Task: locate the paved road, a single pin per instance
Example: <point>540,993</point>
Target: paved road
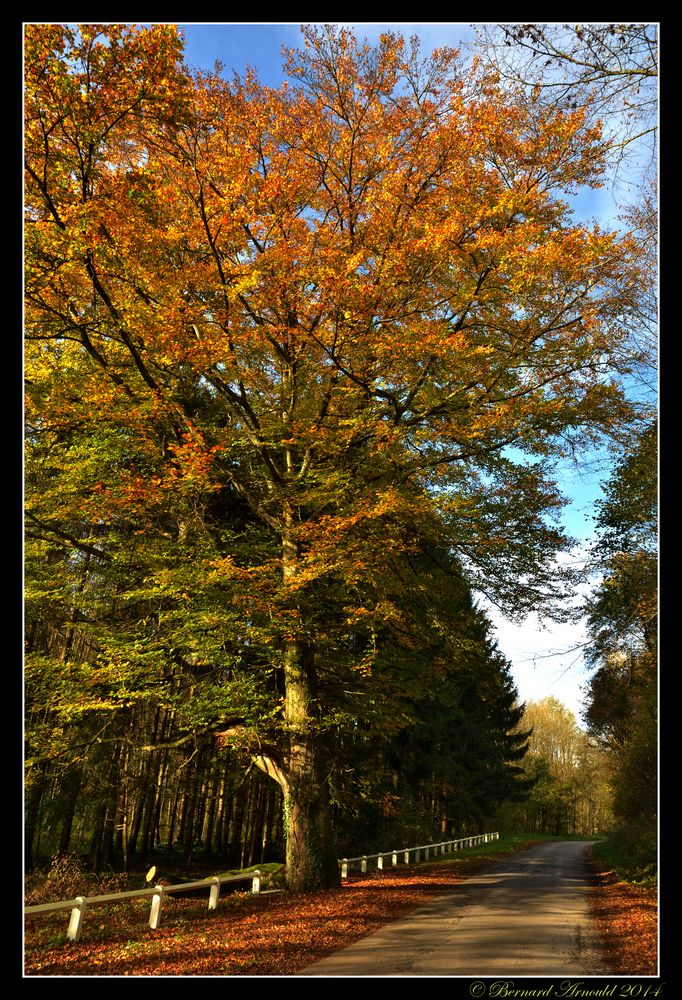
<point>527,915</point>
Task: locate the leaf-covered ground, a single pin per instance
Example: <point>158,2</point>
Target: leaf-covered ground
<point>277,934</point>
<point>627,919</point>
<point>274,934</point>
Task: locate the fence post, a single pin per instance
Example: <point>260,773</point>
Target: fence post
<point>157,904</point>
<point>406,859</point>
<point>394,858</point>
<point>380,862</point>
<point>417,854</point>
<point>214,893</point>
<point>426,854</point>
<point>255,885</point>
<point>76,920</point>
<point>363,863</point>
<point>344,868</point>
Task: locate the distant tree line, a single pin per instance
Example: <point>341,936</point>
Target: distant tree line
<point>568,773</point>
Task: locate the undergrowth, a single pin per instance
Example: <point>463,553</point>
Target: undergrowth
<point>631,852</point>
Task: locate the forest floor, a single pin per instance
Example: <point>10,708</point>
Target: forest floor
<point>280,933</point>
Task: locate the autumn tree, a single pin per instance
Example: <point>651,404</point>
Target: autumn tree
<point>275,337</point>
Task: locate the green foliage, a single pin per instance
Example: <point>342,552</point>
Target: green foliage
<point>448,750</point>
<point>628,514</point>
<point>631,851</point>
<point>622,703</point>
<point>622,706</point>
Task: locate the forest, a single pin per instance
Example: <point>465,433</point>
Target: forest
<point>302,364</point>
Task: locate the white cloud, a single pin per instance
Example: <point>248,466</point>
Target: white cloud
<point>547,658</point>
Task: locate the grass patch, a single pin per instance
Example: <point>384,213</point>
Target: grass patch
<point>272,873</point>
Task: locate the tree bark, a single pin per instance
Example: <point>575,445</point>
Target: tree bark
<point>310,850</point>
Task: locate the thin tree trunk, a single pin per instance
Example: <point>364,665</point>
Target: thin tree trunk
<point>256,823</point>
<point>153,805</point>
<point>237,804</point>
<point>244,827</point>
<point>172,816</point>
<point>31,825</point>
<point>218,835</point>
<point>143,807</point>
<point>69,792</point>
<point>103,835</point>
<point>208,830</point>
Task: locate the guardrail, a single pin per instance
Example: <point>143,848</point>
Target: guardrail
<point>80,904</point>
<point>443,847</point>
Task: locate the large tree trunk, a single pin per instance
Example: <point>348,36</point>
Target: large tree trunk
<point>310,851</point>
<point>300,765</point>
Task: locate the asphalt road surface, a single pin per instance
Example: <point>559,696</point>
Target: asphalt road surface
<point>527,915</point>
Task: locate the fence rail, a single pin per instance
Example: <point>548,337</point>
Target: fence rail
<point>428,850</point>
<point>80,904</point>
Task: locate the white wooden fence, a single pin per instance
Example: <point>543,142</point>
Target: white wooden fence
<point>80,904</point>
<point>423,852</point>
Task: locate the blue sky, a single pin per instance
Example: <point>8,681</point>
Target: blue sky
<point>239,44</point>
<point>545,657</point>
